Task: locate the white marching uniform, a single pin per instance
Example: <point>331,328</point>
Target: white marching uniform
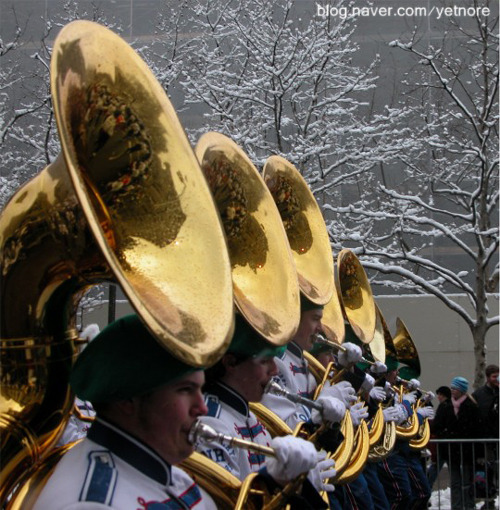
<point>228,413</point>
<point>295,376</point>
<point>111,469</point>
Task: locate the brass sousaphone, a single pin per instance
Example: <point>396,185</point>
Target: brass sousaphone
<point>407,354</point>
<point>353,302</point>
<point>308,238</point>
<point>305,228</point>
<point>379,450</point>
<point>126,202</point>
<point>355,295</point>
<point>265,283</point>
<point>407,430</point>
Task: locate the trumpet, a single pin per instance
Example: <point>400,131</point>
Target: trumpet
<point>201,433</point>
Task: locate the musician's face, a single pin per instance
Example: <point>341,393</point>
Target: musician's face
<point>391,376</point>
<point>250,377</point>
<point>165,417</point>
<point>310,325</point>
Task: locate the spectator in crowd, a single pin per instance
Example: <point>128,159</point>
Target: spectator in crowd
<point>459,420</point>
<point>487,399</point>
<point>439,453</point>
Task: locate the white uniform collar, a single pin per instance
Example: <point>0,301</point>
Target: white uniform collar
<point>230,397</point>
<point>132,450</point>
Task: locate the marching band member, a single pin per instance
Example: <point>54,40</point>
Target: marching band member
<point>402,474</point>
<point>366,491</point>
<point>294,375</point>
<point>146,402</point>
<point>238,378</point>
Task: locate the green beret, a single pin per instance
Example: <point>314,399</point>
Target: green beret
<point>124,361</point>
<point>408,373</point>
<point>306,304</point>
<point>247,342</point>
<point>391,363</point>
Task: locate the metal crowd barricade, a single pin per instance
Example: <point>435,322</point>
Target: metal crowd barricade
<point>478,477</point>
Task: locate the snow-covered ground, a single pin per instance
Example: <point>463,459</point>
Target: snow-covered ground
<point>440,500</point>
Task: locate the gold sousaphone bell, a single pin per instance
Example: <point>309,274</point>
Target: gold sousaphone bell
<point>355,295</point>
<point>265,283</point>
<point>126,202</point>
<point>305,228</point>
<point>407,354</point>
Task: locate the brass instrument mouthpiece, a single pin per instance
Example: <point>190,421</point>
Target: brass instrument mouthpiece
<point>275,389</point>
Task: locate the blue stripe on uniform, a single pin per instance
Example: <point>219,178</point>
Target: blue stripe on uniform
<point>189,498</point>
<point>213,406</point>
<point>102,481</point>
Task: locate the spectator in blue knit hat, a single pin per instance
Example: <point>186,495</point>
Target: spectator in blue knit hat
<point>459,385</point>
<point>460,420</point>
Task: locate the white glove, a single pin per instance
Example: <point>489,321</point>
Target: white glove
<point>294,456</point>
<point>388,389</point>
<point>358,413</point>
<point>403,414</point>
<point>427,397</point>
<point>350,354</point>
<point>378,368</point>
<point>413,384</point>
<point>333,410</point>
<point>410,397</point>
<point>368,383</point>
<point>324,470</point>
<point>391,413</point>
<point>377,393</point>
<point>343,390</point>
<point>426,412</point>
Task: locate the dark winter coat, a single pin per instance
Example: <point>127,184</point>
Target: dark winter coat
<point>487,400</point>
<point>465,425</point>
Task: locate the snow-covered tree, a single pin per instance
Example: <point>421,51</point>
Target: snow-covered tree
<point>28,135</point>
<point>280,83</point>
<point>430,224</point>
